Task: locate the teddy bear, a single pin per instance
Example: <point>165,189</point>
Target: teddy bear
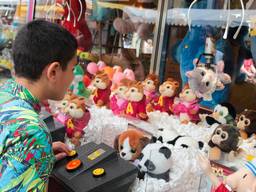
<point>130,143</point>
<point>186,106</point>
<point>136,105</point>
<point>164,102</point>
<point>102,91</point>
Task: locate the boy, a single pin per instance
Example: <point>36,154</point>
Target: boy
<point>44,55</point>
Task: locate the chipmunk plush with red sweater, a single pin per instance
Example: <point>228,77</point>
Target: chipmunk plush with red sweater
<point>102,92</point>
<point>167,90</point>
<point>118,101</point>
<point>136,106</point>
<point>79,118</point>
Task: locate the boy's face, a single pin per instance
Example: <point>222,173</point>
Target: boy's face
<point>60,81</point>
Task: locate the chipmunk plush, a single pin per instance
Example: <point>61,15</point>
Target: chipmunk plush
<point>150,85</point>
<point>186,107</point>
<point>167,90</point>
<point>118,101</point>
<point>246,123</point>
<point>102,91</point>
<point>130,143</point>
<point>61,114</point>
<point>136,106</point>
<point>79,118</point>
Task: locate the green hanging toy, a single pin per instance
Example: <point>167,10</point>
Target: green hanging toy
<point>77,86</point>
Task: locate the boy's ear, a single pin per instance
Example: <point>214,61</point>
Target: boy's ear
<point>52,69</point>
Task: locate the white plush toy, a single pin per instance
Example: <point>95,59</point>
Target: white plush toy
<point>172,137</point>
<point>155,160</point>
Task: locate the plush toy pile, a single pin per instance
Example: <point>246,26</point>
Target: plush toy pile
<point>154,127</point>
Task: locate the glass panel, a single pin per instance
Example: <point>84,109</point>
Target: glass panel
<point>231,46</point>
<point>108,30</point>
<point>13,15</point>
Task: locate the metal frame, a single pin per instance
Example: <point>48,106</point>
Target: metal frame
<point>31,10</point>
<point>160,42</point>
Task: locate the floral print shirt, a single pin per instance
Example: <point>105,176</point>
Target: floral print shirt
<point>26,156</point>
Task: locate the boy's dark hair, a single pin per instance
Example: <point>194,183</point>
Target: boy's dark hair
<point>40,43</point>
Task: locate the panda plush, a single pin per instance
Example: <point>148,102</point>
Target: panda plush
<point>223,113</point>
<point>172,137</point>
<point>155,161</point>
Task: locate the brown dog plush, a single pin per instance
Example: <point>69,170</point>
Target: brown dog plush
<point>130,144</point>
<point>102,84</point>
<point>246,123</point>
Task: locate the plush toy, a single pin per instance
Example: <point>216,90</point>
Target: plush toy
<point>93,67</point>
<point>244,179</point>
<point>246,123</point>
<point>118,100</point>
<point>225,138</point>
<point>77,85</point>
<point>75,23</point>
<point>156,161</point>
<point>136,106</point>
<point>224,113</point>
<point>102,92</point>
<point>129,74</point>
<point>186,107</point>
<point>118,76</point>
<point>79,118</point>
<point>130,144</point>
<point>248,67</point>
<point>204,79</point>
<point>164,102</point>
<point>61,114</point>
<point>172,137</point>
<point>193,44</point>
<point>150,85</point>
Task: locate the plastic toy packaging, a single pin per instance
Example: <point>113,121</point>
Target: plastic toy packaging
<point>248,67</point>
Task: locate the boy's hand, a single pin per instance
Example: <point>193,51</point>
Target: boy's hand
<point>60,150</point>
